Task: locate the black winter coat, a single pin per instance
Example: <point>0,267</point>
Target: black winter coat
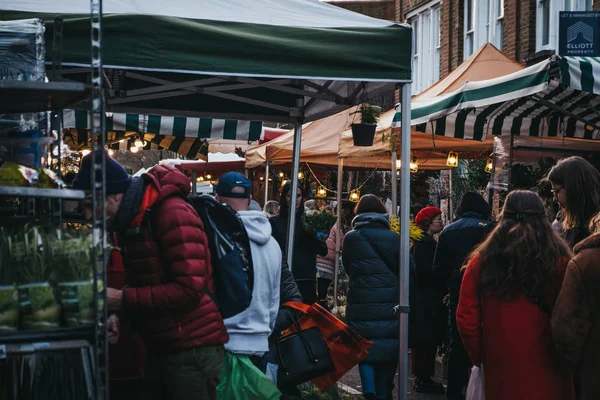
<point>456,242</point>
<point>428,315</point>
<point>370,257</point>
<point>306,246</point>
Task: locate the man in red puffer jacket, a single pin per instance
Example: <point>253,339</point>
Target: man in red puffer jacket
<point>167,264</point>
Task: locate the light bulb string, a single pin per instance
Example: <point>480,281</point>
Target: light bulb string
<point>335,191</point>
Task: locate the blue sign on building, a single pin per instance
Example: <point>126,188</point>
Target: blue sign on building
<point>579,33</point>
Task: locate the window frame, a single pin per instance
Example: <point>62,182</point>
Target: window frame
<point>555,7</point>
<point>427,48</point>
<point>487,18</point>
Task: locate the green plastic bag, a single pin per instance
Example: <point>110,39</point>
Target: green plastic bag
<point>241,380</point>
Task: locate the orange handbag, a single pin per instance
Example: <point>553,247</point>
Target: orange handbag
<point>346,347</point>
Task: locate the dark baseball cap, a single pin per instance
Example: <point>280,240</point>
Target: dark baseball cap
<point>231,180</point>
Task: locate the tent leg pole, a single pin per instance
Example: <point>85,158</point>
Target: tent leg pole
<point>289,247</point>
<point>194,187</point>
<point>266,183</point>
<point>338,238</point>
<point>394,184</point>
<point>404,244</point>
<point>451,196</point>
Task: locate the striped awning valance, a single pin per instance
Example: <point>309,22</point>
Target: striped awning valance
<point>183,127</point>
<point>530,102</point>
<point>580,73</point>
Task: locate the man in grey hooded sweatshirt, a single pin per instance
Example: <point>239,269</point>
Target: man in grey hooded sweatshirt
<point>249,330</point>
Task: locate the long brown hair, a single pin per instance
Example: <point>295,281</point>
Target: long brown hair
<point>521,255</point>
<point>581,182</point>
<point>370,203</point>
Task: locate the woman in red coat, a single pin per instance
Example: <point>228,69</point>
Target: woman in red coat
<point>508,291</point>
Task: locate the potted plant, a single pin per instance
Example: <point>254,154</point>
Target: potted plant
<point>318,223</point>
<point>71,254</point>
<point>9,298</point>
<point>364,132</point>
<point>37,305</point>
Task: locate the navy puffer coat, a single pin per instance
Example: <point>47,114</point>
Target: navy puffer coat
<point>370,257</point>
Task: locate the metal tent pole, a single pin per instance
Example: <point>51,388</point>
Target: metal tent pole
<point>266,180</point>
<point>394,183</point>
<point>194,182</point>
<point>289,247</point>
<point>404,249</point>
<point>338,238</point>
<point>450,197</point>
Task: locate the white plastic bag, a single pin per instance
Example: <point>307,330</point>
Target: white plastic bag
<point>475,390</point>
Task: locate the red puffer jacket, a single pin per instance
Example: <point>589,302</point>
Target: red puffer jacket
<point>169,269</point>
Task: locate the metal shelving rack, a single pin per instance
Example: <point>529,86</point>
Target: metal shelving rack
<point>27,96</point>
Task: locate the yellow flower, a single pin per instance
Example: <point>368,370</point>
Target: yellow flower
<point>415,233</point>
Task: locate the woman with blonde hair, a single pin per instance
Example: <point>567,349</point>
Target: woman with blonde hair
<point>506,299</point>
<point>576,188</point>
<point>271,208</point>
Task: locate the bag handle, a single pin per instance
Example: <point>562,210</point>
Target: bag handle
<point>309,351</point>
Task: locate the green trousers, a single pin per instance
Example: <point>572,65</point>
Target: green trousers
<point>187,374</point>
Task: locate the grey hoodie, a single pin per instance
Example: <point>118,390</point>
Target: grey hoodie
<point>249,330</point>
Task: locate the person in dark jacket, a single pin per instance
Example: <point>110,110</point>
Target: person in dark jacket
<point>576,188</point>
<point>456,242</point>
<point>576,314</point>
<point>306,245</point>
<point>370,257</point>
<point>169,275</point>
<point>428,316</point>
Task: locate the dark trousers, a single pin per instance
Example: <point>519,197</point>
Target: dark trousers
<point>308,290</point>
<point>323,288</point>
<point>378,379</point>
<point>126,389</point>
<point>459,362</point>
<point>188,374</point>
<point>423,361</point>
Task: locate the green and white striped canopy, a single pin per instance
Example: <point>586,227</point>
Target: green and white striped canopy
<point>535,101</point>
<point>230,59</point>
<point>199,128</point>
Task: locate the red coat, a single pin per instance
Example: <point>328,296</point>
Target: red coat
<point>169,270</point>
<point>513,341</point>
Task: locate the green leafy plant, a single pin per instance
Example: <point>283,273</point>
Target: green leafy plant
<point>369,113</point>
<point>71,255</point>
<point>318,222</point>
<point>27,255</point>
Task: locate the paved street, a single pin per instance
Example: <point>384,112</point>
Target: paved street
<point>351,385</point>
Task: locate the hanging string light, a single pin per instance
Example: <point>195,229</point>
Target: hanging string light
<point>134,149</point>
<point>300,175</point>
<point>489,164</point>
<point>414,163</point>
<point>281,175</point>
<point>452,160</point>
<point>354,195</point>
<point>321,192</point>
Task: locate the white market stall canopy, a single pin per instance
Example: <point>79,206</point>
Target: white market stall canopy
<point>232,59</point>
<point>557,97</point>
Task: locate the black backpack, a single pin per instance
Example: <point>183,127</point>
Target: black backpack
<point>233,272</point>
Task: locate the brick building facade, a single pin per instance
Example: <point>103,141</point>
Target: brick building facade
<point>514,26</point>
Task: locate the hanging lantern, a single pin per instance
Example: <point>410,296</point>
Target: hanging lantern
<point>281,175</point>
<point>354,195</point>
<point>200,179</point>
<point>321,192</point>
<point>262,178</point>
<point>398,164</point>
<point>452,160</point>
<point>300,175</point>
<point>283,182</point>
<point>414,164</point>
<point>85,152</point>
<point>134,149</point>
<point>208,176</point>
<point>489,164</point>
<point>111,152</point>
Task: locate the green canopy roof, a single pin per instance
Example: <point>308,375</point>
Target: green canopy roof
<point>234,59</point>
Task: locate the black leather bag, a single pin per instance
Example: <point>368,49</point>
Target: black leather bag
<point>302,356</point>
